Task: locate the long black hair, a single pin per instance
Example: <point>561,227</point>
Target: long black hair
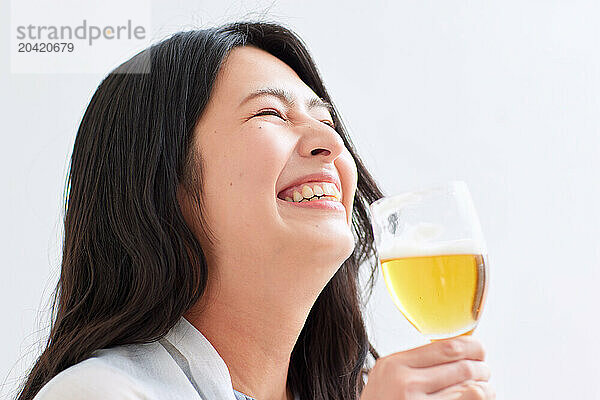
<point>128,255</point>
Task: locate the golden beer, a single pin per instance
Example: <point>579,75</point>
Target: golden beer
<point>441,295</point>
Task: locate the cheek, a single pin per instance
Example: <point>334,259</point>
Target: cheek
<point>261,156</point>
<point>241,175</point>
<point>349,176</point>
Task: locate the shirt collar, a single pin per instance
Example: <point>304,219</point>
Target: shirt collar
<point>209,373</point>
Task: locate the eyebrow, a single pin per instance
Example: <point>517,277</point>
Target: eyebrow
<point>287,98</point>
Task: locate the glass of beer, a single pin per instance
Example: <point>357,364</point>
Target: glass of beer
<point>433,257</point>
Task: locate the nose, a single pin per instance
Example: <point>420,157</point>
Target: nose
<point>320,140</point>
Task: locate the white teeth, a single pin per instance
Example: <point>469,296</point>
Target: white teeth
<point>307,192</point>
<point>297,196</point>
<point>336,192</point>
<point>329,189</point>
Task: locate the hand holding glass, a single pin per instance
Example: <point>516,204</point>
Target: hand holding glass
<point>433,257</point>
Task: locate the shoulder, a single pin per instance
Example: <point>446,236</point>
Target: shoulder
<point>91,379</point>
<point>126,372</point>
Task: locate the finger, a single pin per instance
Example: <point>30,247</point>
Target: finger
<point>454,373</point>
<point>470,390</point>
<point>444,351</point>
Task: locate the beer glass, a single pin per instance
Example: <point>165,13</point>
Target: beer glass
<point>433,258</point>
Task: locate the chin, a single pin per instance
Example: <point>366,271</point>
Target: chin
<point>331,246</point>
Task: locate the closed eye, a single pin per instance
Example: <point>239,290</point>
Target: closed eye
<point>270,112</point>
<point>277,114</point>
<point>331,124</point>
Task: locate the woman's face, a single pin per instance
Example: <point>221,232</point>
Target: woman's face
<point>249,159</point>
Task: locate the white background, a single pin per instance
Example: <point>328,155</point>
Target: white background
<point>503,95</point>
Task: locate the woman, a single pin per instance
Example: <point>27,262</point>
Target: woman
<point>215,224</point>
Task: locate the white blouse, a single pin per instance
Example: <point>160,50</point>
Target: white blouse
<point>182,365</point>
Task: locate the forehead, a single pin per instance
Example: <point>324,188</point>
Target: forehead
<point>248,68</point>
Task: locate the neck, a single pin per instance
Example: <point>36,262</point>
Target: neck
<point>254,327</point>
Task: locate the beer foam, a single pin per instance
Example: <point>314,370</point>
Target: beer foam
<point>419,248</point>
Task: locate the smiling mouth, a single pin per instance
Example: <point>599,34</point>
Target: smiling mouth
<point>312,191</point>
<point>314,198</point>
<point>326,203</point>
